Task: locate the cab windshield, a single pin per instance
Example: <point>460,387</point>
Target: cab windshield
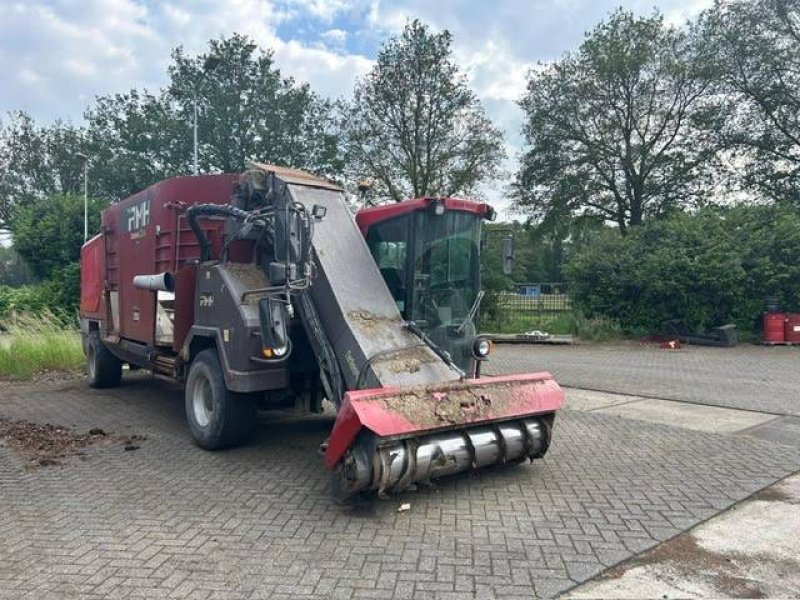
<point>430,264</point>
<point>446,267</point>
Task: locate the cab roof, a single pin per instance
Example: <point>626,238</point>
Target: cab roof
<point>367,217</point>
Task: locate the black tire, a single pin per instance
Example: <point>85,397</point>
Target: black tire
<point>103,368</point>
<point>217,417</point>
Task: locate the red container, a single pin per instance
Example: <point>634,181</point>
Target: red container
<point>792,328</point>
<point>774,328</point>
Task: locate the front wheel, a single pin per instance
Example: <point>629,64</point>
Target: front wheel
<point>217,417</point>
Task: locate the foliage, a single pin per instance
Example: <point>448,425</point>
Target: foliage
<point>249,111</point>
<point>414,127</point>
<point>595,329</point>
<point>37,343</point>
<point>57,297</point>
<point>48,232</point>
<point>37,161</point>
<point>135,140</point>
<point>708,269</point>
<point>13,268</point>
<point>611,127</point>
<point>753,48</point>
<point>32,299</point>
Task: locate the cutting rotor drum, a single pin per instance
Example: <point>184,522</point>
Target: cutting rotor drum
<point>385,466</point>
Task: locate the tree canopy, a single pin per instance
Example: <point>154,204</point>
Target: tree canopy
<point>37,161</point>
<point>414,126</point>
<point>248,110</point>
<point>48,231</point>
<point>753,50</point>
<point>610,128</point>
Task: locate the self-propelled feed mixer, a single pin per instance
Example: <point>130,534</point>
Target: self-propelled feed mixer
<point>261,290</point>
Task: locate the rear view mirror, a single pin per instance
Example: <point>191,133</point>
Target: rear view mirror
<point>508,256</point>
<point>288,228</point>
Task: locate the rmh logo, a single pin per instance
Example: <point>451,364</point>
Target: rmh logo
<point>139,215</point>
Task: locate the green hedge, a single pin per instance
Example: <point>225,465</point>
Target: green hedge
<point>58,296</point>
<point>712,267</point>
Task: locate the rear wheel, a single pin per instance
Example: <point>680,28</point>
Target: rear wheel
<point>103,368</point>
<point>217,417</point>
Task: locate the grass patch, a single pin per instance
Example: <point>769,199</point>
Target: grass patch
<point>557,323</point>
<point>31,344</point>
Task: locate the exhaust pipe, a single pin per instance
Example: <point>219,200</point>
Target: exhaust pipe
<point>163,282</point>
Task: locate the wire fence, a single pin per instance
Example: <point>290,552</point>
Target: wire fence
<point>536,297</point>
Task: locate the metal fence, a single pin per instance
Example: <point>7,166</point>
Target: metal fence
<point>550,296</point>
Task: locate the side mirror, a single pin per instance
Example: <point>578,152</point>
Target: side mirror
<point>508,256</point>
<point>287,236</point>
<point>272,318</point>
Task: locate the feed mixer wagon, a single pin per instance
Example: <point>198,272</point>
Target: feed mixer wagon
<point>261,290</point>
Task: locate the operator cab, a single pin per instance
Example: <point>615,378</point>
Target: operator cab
<point>428,252</point>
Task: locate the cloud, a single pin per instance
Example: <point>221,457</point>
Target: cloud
<point>56,55</point>
<point>113,45</point>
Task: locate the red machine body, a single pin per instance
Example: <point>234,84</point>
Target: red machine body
<point>147,233</point>
<point>372,215</point>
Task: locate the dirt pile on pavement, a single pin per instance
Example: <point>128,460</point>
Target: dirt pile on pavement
<point>47,445</point>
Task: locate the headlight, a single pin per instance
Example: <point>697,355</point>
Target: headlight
<point>279,352</point>
<point>482,347</point>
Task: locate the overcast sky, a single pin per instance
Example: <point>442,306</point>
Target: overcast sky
<point>56,56</point>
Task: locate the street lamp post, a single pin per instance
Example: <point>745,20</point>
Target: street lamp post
<point>85,159</point>
<point>194,106</point>
<point>211,63</point>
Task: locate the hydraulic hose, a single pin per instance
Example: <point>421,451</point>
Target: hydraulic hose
<point>210,210</point>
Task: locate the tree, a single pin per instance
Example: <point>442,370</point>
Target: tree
<point>754,49</point>
<point>414,127</point>
<point>14,271</point>
<point>611,128</point>
<point>136,139</point>
<point>249,111</point>
<point>36,161</point>
<point>48,231</point>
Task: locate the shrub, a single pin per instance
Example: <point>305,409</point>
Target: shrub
<point>57,297</point>
<point>708,268</point>
<point>48,231</point>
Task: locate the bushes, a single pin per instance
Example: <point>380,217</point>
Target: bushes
<point>48,231</point>
<point>707,268</point>
<point>58,297</point>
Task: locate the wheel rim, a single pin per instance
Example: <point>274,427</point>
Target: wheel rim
<point>202,401</point>
<point>90,361</point>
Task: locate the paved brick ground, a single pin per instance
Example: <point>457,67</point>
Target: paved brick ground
<point>170,520</point>
<point>751,377</point>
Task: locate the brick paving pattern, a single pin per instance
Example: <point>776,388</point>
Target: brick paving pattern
<point>765,379</point>
<point>170,520</point>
